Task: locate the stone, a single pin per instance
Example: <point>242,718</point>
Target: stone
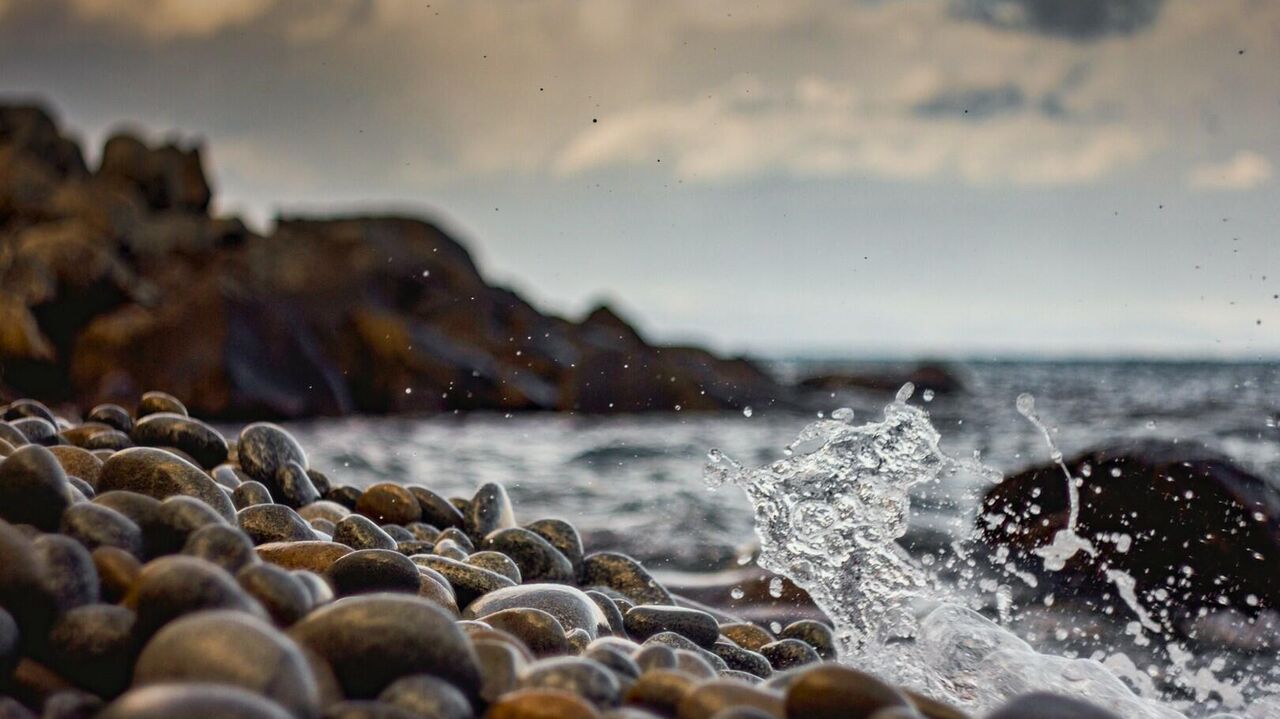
<point>586,678</point>
<point>1046,705</point>
<point>223,545</point>
<point>696,665</point>
<point>67,574</point>
<point>397,532</point>
<point>112,415</point>
<point>788,653</point>
<point>457,536</point>
<point>250,493</point>
<point>95,645</point>
<point>578,640</point>
<point>267,523</point>
<point>373,570</point>
<point>449,549</point>
<point>625,576</point>
<point>427,696</point>
<point>540,704</point>
<point>230,648</point>
<point>346,496</point>
<point>389,503</point>
<point>572,608</point>
<point>815,634</point>
<point>659,690</point>
<point>177,518</point>
<point>324,509</point>
<point>537,559</point>
<point>500,665</point>
<point>655,656</point>
<point>359,532</point>
<point>372,640</point>
<point>709,698</point>
<point>170,587</point>
<point>436,510</point>
<point>540,632</point>
<point>423,532</point>
<point>469,583</point>
<point>294,487</point>
<point>831,690</point>
<point>263,449</point>
<point>195,700</point>
<point>20,408</point>
<point>616,659</point>
<point>229,477</point>
<point>10,649</point>
<point>617,624</point>
<point>314,556</point>
<point>160,475</point>
<point>645,620</point>
<point>741,659</point>
<point>564,537</point>
<point>33,488</point>
<point>117,570</point>
<point>496,562</point>
<point>156,402</point>
<point>71,704</point>
<point>113,440</point>
<point>143,511</point>
<point>77,462</point>
<point>489,510</point>
<point>36,430</point>
<point>95,525</point>
<point>167,429</point>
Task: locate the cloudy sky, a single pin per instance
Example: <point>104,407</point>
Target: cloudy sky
<point>893,177</point>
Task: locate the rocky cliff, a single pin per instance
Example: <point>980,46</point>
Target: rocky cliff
<point>116,279</point>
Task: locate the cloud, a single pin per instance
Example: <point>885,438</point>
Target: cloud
<point>1245,170</point>
<point>1081,20</point>
<point>172,19</point>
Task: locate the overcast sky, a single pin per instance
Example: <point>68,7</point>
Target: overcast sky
<point>878,177</point>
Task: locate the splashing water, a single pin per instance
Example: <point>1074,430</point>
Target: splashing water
<point>829,516</point>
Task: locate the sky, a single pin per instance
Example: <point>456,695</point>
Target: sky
<point>811,177</point>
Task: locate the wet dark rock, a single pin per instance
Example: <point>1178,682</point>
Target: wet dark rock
<point>94,646</point>
<point>469,583</point>
<point>564,537</point>
<point>113,440</point>
<point>366,709</point>
<point>166,429</point>
<point>414,546</point>
<point>741,659</point>
<point>659,690</point>
<point>709,698</point>
<point>540,632</point>
<point>1045,705</point>
<point>10,708</point>
<point>655,656</point>
<point>112,415</point>
<point>312,555</point>
<point>160,474</point>
<point>12,436</point>
<point>20,408</point>
<point>699,664</point>
<point>646,620</point>
<point>815,634</point>
<point>578,640</point>
<point>320,481</point>
<point>584,677</point>
<point>427,696</point>
<point>537,559</point>
<point>80,489</point>
<point>178,517</point>
<point>540,704</point>
<point>250,493</point>
<point>500,665</point>
<point>617,624</point>
<point>831,690</point>
<point>33,488</point>
<point>156,402</point>
<point>263,449</point>
<point>490,509</point>
<point>71,704</point>
<point>496,562</point>
<point>77,462</point>
<point>370,641</point>
<point>265,523</point>
<point>142,510</point>
<point>294,487</point>
<point>359,532</point>
<point>625,576</point>
<point>67,574</point>
<point>82,435</point>
<point>572,608</point>
<point>615,658</point>
<point>223,545</point>
<point>788,653</point>
<point>397,532</point>
<point>170,587</point>
<point>680,643</point>
<point>346,496</point>
<point>324,509</point>
<point>193,699</point>
<point>95,525</point>
<point>230,648</point>
<point>229,477</point>
<point>117,570</point>
<point>389,503</point>
<point>459,537</point>
<point>423,532</point>
<point>373,570</point>
<point>449,549</point>
<point>436,510</point>
<point>36,430</point>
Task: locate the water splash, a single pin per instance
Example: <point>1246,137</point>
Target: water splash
<point>829,516</point>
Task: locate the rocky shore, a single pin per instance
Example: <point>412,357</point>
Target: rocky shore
<point>153,568</point>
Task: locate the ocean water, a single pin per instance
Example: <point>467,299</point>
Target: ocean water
<point>636,483</point>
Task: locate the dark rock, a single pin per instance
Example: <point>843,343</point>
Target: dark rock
<point>468,582</point>
<point>625,576</point>
<point>436,510</point>
<point>12,436</point>
<point>33,488</point>
<point>537,559</point>
<point>112,415</point>
<point>373,570</point>
<point>578,640</point>
<point>282,593</point>
<point>170,587</point>
<point>572,608</point>
<point>80,489</point>
<point>113,440</point>
<point>617,660</point>
<point>223,545</point>
<point>932,377</point>
<point>77,462</point>
<point>156,402</point>
<point>832,690</point>
<point>250,493</point>
<point>709,698</point>
<point>359,532</point>
<point>10,708</point>
<point>372,640</point>
<point>314,556</point>
<point>95,525</point>
<point>36,430</point>
<point>20,408</point>
<point>540,704</point>
<point>586,678</point>
<point>160,474</point>
<point>10,650</point>
<point>680,643</point>
<point>423,532</point>
<point>193,699</point>
<point>263,449</point>
<point>117,570</point>
<point>229,477</point>
<point>489,510</point>
<point>699,663</point>
<point>230,648</point>
<point>94,646</point>
<point>427,696</point>
<point>414,546</point>
<point>1046,705</point>
<point>366,709</point>
<point>564,537</point>
<point>743,660</point>
<point>389,503</point>
<point>346,496</point>
<point>655,656</point>
<point>142,510</point>
<point>458,537</point>
<point>320,481</point>
<point>815,634</point>
<point>449,549</point>
<point>496,562</point>
<point>265,523</point>
<point>294,486</point>
<point>788,653</point>
<point>540,632</point>
<point>67,574</point>
<point>71,704</point>
<point>500,665</point>
<point>197,439</point>
<point>616,622</point>
<point>645,620</point>
<point>178,517</point>
<point>659,690</point>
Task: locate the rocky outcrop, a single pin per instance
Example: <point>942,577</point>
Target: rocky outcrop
<point>117,279</point>
<point>1192,528</point>
<point>931,377</point>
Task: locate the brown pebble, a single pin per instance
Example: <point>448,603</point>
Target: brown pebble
<point>313,556</point>
<point>831,691</point>
<point>708,698</point>
<point>747,636</point>
<point>387,503</point>
<point>540,704</point>
<point>117,570</point>
<point>659,690</point>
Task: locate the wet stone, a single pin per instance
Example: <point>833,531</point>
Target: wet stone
<point>436,510</point>
<point>320,481</point>
<point>646,620</point>
<point>318,589</point>
<point>815,634</point>
<point>324,509</point>
<point>166,429</point>
<point>33,488</point>
<point>12,436</point>
<point>265,523</point>
<point>572,608</point>
<point>397,532</point>
<point>578,640</point>
<point>496,562</point>
<point>263,449</point>
<point>178,517</point>
<point>323,526</point>
<point>193,699</point>
<point>10,708</point>
<point>117,570</point>
<point>427,696</point>
<point>469,583</point>
<point>537,559</point>
<point>71,704</point>
<point>829,690</point>
<point>113,440</point>
<point>564,537</point>
<point>36,430</point>
<point>170,587</point>
<point>365,709</point>
<point>450,549</point>
<point>618,661</point>
<point>346,496</point>
<point>1045,705</point>
<point>112,415</point>
<point>20,408</point>
<point>373,570</point>
<point>94,525</point>
<point>94,646</point>
<point>79,435</point>
<point>709,698</point>
<point>540,704</point>
<point>540,632</point>
<point>423,532</point>
<point>616,623</point>
<point>77,462</point>
<point>655,656</point>
<point>359,532</point>
<point>221,544</point>
<point>489,510</point>
<point>160,475</point>
<point>293,486</point>
<point>459,537</point>
<point>156,402</point>
<point>586,678</point>
<point>80,489</point>
<point>229,477</point>
<point>747,636</point>
<point>625,576</point>
<point>282,593</point>
<point>414,546</point>
<point>313,555</point>
<point>250,493</point>
<point>388,503</point>
<point>67,574</point>
<point>499,666</point>
<point>743,660</point>
<point>10,650</point>
<point>659,690</point>
<point>788,653</point>
<point>696,664</point>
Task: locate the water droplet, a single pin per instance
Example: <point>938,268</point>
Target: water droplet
<point>775,587</point>
<point>737,593</point>
<point>746,412</point>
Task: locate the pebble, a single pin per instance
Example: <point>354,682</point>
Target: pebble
<point>154,402</point>
<point>572,608</point>
<point>815,634</point>
<point>655,656</point>
<point>263,448</point>
<point>324,509</point>
<point>94,646</point>
<point>221,544</point>
<point>537,559</point>
<point>177,517</point>
<point>36,430</point>
<point>111,440</point>
<point>398,533</point>
<point>500,664</point>
<point>346,496</point>
<point>266,523</point>
<point>423,695</point>
<point>293,486</point>
<point>617,660</point>
<point>1044,705</point>
<point>540,704</point>
<point>646,620</point>
<point>313,555</point>
<point>195,700</point>
<point>371,640</point>
<point>71,704</point>
<point>680,643</point>
<point>10,651</point>
<point>788,653</point>
<point>389,503</point>
<point>450,550</point>
<point>11,436</point>
<point>67,575</point>
<point>539,631</point>
<point>77,462</point>
<point>33,488</point>
<point>170,587</point>
<point>586,678</point>
<point>496,562</point>
<point>696,664</point>
<point>436,510</point>
<point>659,690</point>
<point>117,570</point>
<point>112,415</point>
<point>469,583</point>
<point>373,570</point>
<point>708,698</point>
<point>623,575</point>
<point>284,595</point>
<point>233,649</point>
<point>423,532</point>
<point>160,474</point>
<point>490,509</point>
<point>743,660</point>
<point>611,612</point>
<point>167,429</point>
<point>564,537</point>
<point>95,525</point>
<point>834,691</point>
<point>366,709</point>
<point>20,408</point>
<point>359,532</point>
<point>250,493</point>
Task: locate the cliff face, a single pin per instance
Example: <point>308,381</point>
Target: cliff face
<point>116,280</point>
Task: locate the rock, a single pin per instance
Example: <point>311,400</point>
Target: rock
<point>282,593</point>
<point>112,415</point>
<point>709,698</point>
<point>788,653</point>
<point>170,587</point>
<point>71,704</point>
<point>324,509</point>
<point>177,518</point>
<point>427,696</point>
<point>314,556</point>
<point>223,545</point>
<point>193,699</point>
<point>1046,705</point>
<point>457,536</point>
<point>94,525</point>
<point>469,583</point>
<point>168,429</point>
<point>250,493</point>
<point>655,656</point>
<point>815,634</point>
<point>231,648</point>
<point>10,649</point>
<point>489,510</point>
<point>584,677</point>
<point>67,574</point>
<point>143,511</point>
<point>625,576</point>
<point>160,474</point>
<point>540,632</point>
<point>500,664</point>
<point>359,532</point>
<point>389,503</point>
<point>836,691</point>
<point>346,496</point>
<point>36,430</point>
<point>496,562</point>
<point>659,690</point>
<point>537,559</point>
<point>373,570</point>
<point>229,478</point>
<point>266,523</point>
<point>747,636</point>
<point>263,449</point>
<point>156,402</point>
<point>572,608</point>
<point>646,620</point>
<point>95,645</point>
<point>294,486</point>
<point>113,440</point>
<point>436,510</point>
<point>10,708</point>
<point>423,532</point>
<point>33,488</point>
<point>926,377</point>
<point>117,570</point>
<point>449,549</point>
<point>564,537</point>
<point>615,658</point>
<point>20,408</point>
<point>695,664</point>
<point>77,462</point>
<point>366,709</point>
<point>12,436</point>
<point>540,704</point>
<point>743,660</point>
<point>372,640</point>
<point>617,624</point>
